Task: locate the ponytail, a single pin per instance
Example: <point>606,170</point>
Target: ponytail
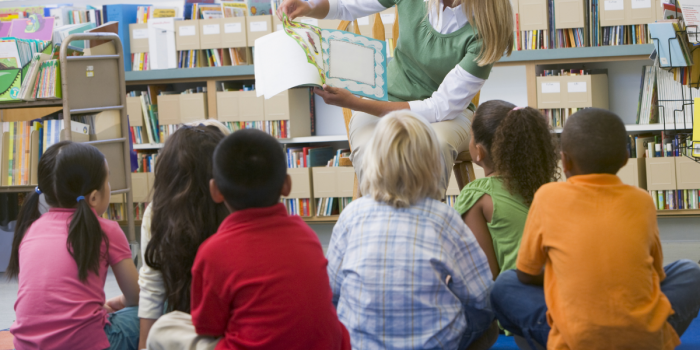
<point>524,152</point>
<point>30,208</point>
<point>83,243</point>
<point>27,215</point>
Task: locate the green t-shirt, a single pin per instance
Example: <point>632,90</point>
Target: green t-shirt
<point>423,56</point>
<point>508,219</point>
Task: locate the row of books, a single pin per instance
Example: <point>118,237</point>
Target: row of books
<point>276,128</point>
<point>19,152</point>
<point>557,116</point>
<point>333,206</point>
<point>581,24</point>
<point>297,206</point>
<point>676,199</point>
<point>308,157</point>
<point>150,131</point>
<point>117,211</point>
<point>146,162</point>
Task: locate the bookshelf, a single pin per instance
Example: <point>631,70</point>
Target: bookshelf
<point>102,90</point>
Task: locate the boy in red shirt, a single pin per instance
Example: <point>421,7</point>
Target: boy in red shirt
<point>260,282</point>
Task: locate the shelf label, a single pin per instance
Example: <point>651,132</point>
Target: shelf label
<point>232,28</point>
<point>187,31</point>
<point>614,5</point>
<point>641,4</point>
<point>578,86</point>
<point>310,21</point>
<point>258,26</point>
<point>140,33</point>
<point>388,18</point>
<point>211,29</point>
<point>364,21</point>
<point>551,88</point>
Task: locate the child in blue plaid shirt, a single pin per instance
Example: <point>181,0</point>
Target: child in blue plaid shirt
<point>405,270</point>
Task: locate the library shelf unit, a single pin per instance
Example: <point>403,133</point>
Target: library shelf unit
<point>102,88</point>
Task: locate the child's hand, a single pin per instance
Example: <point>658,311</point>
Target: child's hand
<point>336,96</point>
<point>115,304</point>
<point>294,9</point>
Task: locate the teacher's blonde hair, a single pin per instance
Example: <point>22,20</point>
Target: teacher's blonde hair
<point>493,20</point>
<point>402,162</point>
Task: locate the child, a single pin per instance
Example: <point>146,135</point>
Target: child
<point>260,282</point>
<point>516,150</point>
<point>406,272</point>
<point>598,240</point>
<point>61,259</point>
<point>181,216</point>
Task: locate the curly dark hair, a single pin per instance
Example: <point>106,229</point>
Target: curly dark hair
<point>183,213</point>
<point>520,144</point>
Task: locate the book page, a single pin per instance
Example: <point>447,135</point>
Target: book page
<point>281,64</point>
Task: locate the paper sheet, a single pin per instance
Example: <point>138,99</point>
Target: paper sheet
<point>691,16</point>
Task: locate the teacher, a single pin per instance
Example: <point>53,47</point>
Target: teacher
<point>444,54</point>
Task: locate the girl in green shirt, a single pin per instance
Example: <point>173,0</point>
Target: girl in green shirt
<point>518,154</point>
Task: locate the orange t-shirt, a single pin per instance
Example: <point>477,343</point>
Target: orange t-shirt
<point>599,242</point>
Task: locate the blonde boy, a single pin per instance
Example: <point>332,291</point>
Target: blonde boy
<point>405,270</point>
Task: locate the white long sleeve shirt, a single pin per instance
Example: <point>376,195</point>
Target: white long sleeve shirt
<point>459,86</point>
<point>152,295</point>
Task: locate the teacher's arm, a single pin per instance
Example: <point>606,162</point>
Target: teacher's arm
<point>450,100</point>
<point>347,10</point>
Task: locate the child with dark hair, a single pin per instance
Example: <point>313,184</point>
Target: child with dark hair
<point>180,217</point>
<point>604,283</point>
<point>517,152</point>
<point>260,282</point>
<point>61,259</point>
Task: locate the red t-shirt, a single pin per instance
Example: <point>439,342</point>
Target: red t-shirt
<point>261,283</point>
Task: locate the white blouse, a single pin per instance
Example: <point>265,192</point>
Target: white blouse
<point>459,86</point>
<point>152,296</point>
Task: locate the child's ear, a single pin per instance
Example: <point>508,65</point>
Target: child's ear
<point>287,186</point>
<point>94,198</point>
<point>480,153</point>
<point>567,164</point>
<point>216,195</point>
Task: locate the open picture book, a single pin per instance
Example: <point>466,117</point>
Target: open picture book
<point>305,55</point>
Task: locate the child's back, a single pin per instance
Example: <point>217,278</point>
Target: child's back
<point>264,274</point>
<point>605,264</point>
<point>54,308</point>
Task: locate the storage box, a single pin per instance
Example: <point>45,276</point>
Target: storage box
<point>661,174</point>
<point>258,26</point>
<point>292,105</point>
<point>687,174</point>
<point>138,37</point>
<point>187,35</point>
<point>139,187</point>
<point>193,107</point>
<point>627,12</point>
<point>134,111</point>
<point>569,14</point>
<point>151,177</point>
<point>634,173</point>
<point>234,32</point>
<point>108,126</point>
<point>533,14</point>
<point>169,109</point>
<point>240,106</point>
<point>301,183</point>
<point>579,91</point>
<point>333,182</point>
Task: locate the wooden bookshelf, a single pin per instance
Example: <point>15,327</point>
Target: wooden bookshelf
<point>311,139</point>
<point>182,75</point>
<point>678,213</point>
<point>322,219</point>
<point>579,54</point>
<point>17,189</point>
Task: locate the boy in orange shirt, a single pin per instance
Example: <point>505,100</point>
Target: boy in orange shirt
<point>598,240</point>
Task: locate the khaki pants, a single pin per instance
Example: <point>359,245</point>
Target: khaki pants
<point>453,137</point>
<point>175,331</point>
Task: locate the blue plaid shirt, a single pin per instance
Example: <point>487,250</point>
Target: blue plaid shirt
<point>389,269</point>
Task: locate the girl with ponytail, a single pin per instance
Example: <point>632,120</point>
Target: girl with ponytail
<point>518,154</point>
<point>61,259</point>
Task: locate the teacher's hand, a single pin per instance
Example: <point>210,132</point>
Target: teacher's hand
<point>336,96</point>
<point>294,9</point>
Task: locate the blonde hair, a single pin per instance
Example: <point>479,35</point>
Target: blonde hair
<point>402,162</point>
<point>493,20</point>
<point>212,122</point>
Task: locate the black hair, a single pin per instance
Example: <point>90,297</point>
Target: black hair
<point>596,140</point>
<point>520,145</point>
<point>74,170</point>
<point>29,212</point>
<point>183,215</point>
<point>250,169</point>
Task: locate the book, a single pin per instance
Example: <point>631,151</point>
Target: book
<point>670,44</point>
<point>259,7</point>
<point>305,55</point>
<point>161,43</point>
<point>34,27</point>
